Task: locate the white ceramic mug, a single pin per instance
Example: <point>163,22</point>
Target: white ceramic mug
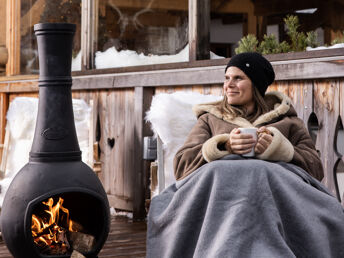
<point>253,132</point>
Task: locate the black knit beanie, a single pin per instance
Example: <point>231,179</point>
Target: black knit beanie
<point>256,67</point>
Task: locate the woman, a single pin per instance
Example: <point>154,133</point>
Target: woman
<point>247,77</point>
<point>225,205</point>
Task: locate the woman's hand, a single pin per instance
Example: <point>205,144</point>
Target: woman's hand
<point>264,140</point>
<point>240,143</point>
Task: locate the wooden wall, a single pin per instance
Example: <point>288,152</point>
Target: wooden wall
<point>121,128</point>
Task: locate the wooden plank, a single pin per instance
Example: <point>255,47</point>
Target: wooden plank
<point>4,102</point>
<point>116,119</point>
<point>208,75</point>
<point>13,37</point>
<point>3,24</point>
<point>301,93</point>
<point>199,29</point>
<point>104,131</point>
<point>3,55</point>
<point>129,172</point>
<point>190,76</point>
<point>89,33</point>
<point>143,97</point>
<point>268,7</point>
<point>326,108</point>
<point>4,154</point>
<point>216,90</point>
<point>120,202</point>
<point>117,129</point>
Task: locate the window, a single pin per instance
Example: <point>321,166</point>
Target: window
<point>231,20</point>
<point>39,11</point>
<point>141,32</point>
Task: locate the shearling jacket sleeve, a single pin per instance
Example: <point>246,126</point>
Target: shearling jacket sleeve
<point>189,157</point>
<point>305,154</point>
<point>199,148</point>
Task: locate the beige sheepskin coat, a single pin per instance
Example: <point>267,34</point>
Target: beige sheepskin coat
<point>291,141</point>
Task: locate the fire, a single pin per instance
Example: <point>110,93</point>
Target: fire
<point>50,231</point>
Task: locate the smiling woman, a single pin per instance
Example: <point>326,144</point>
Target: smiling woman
<point>220,190</point>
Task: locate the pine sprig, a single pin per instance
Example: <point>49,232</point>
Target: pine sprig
<point>247,44</point>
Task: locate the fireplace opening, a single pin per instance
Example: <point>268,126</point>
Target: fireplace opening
<point>66,222</point>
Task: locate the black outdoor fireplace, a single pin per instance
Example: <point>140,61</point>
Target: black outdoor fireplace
<point>56,204</point>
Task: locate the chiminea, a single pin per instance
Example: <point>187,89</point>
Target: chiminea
<point>55,204</point>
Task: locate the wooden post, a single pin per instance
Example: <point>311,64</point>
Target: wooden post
<point>262,24</point>
<point>143,98</point>
<point>3,110</point>
<point>199,29</point>
<point>89,33</point>
<point>13,37</point>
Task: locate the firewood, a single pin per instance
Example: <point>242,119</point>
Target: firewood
<point>81,242</point>
<point>62,238</point>
<point>77,226</point>
<point>76,254</point>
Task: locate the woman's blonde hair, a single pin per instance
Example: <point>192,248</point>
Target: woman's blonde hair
<point>238,111</point>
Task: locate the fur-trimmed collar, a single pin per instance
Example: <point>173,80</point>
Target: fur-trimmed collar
<point>280,104</point>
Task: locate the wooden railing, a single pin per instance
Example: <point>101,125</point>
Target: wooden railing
<point>122,98</point>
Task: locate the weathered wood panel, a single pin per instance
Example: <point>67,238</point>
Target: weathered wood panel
<point>117,127</point>
<point>13,37</point>
<point>326,108</point>
<point>3,24</point>
<point>199,29</point>
<point>89,29</point>
<point>203,89</point>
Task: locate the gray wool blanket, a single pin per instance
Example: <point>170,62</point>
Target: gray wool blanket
<point>238,207</point>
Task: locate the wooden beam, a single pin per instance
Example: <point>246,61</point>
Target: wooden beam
<point>261,27</point>
<point>269,7</point>
<point>328,63</point>
<point>143,98</point>
<point>237,6</point>
<point>199,29</point>
<point>3,24</point>
<point>89,33</point>
<point>13,37</point>
<point>3,111</point>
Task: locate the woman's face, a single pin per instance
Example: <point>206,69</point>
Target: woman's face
<point>238,88</point>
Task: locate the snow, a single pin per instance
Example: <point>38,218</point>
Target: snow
<point>111,58</point>
<point>340,45</point>
<point>21,121</point>
<point>115,213</point>
<point>76,62</point>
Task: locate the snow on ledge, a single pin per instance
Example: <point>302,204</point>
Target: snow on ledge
<point>340,45</point>
<point>112,58</point>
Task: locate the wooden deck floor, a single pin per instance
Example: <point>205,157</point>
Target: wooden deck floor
<point>126,239</point>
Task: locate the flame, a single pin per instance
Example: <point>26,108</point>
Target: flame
<point>47,231</point>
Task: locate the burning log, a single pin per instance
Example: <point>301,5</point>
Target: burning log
<point>76,254</point>
<point>81,242</point>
